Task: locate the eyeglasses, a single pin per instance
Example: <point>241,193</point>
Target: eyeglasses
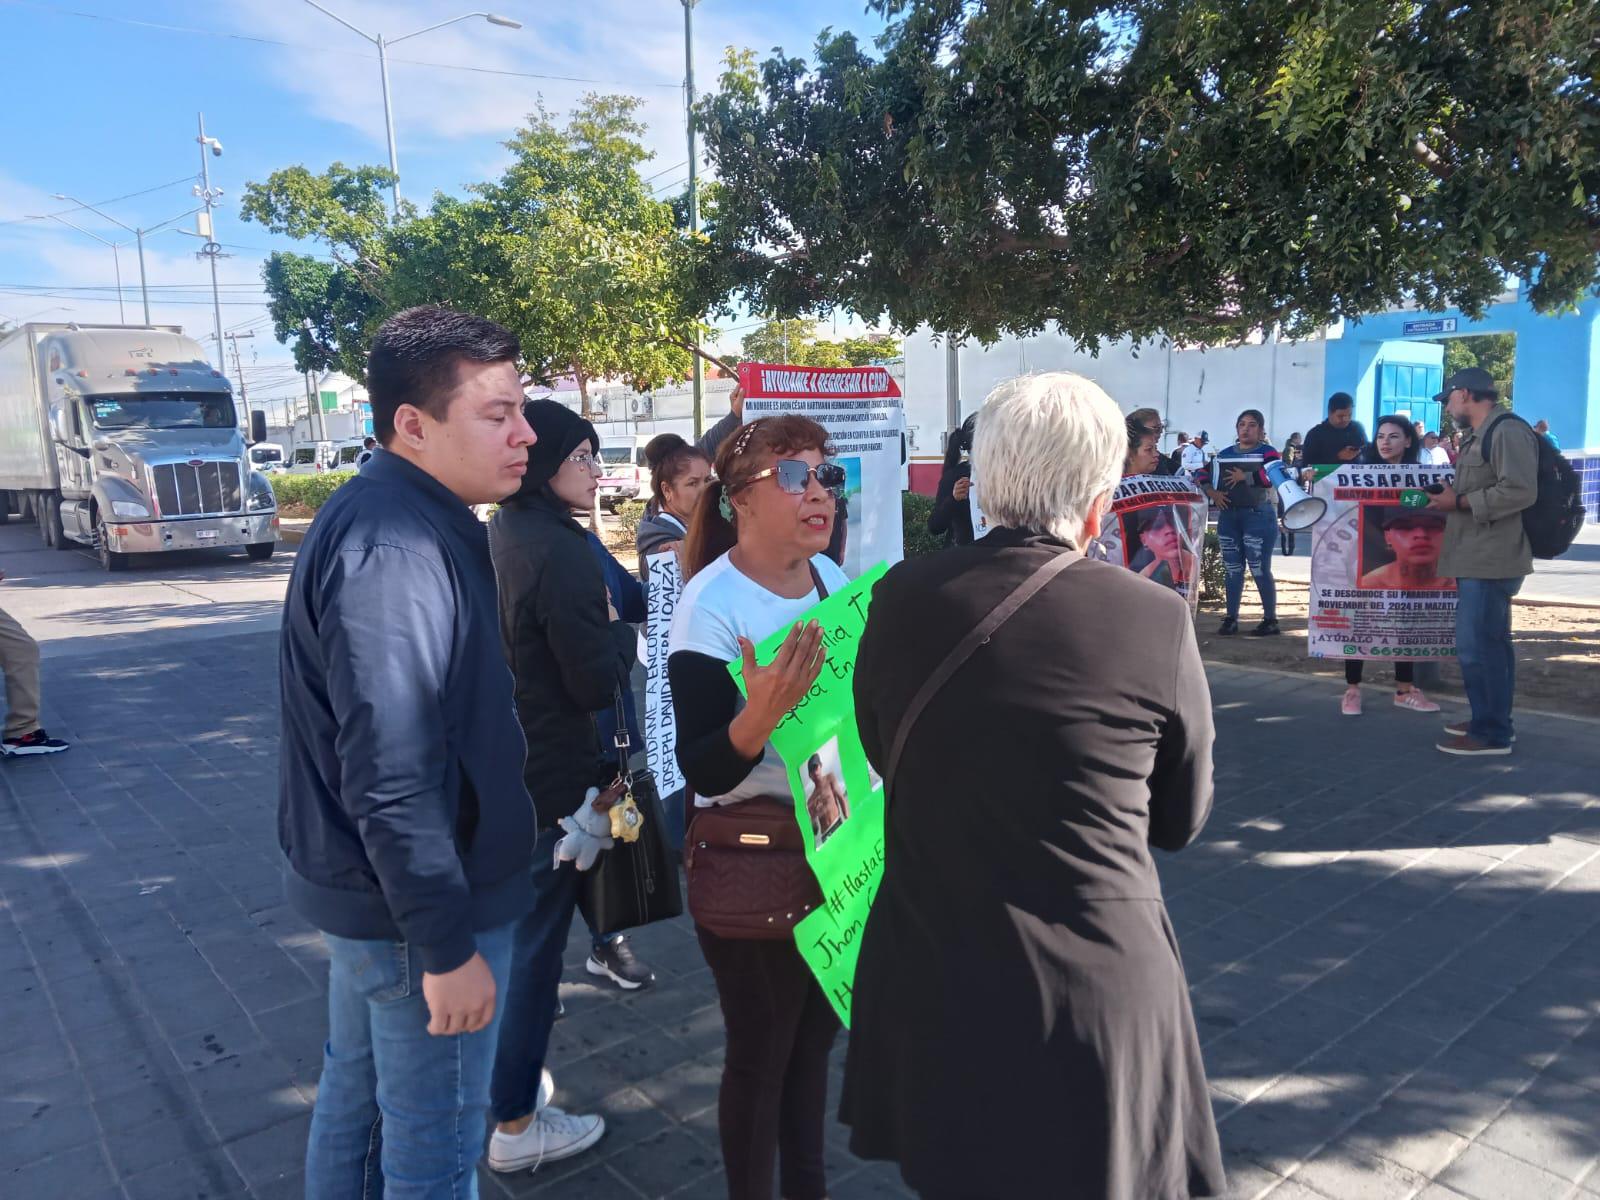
<point>589,462</point>
<point>794,475</point>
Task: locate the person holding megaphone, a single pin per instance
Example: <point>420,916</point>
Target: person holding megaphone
<point>1247,523</point>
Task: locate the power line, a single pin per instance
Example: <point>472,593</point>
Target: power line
<point>98,203</point>
<point>264,41</point>
<point>669,170</point>
<point>206,303</point>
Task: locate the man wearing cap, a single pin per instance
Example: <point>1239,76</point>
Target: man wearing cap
<point>1337,440</point>
<point>1192,455</point>
<point>1415,537</point>
<point>1487,552</point>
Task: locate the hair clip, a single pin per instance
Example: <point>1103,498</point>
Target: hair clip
<point>725,507</point>
<point>745,435</point>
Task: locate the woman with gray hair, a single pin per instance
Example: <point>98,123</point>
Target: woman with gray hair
<point>1042,721</point>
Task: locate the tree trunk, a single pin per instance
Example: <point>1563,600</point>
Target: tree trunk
<point>588,415</point>
<point>583,393</point>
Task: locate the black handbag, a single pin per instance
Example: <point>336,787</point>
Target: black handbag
<point>633,883</point>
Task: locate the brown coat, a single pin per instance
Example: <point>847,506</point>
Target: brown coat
<point>1020,1023</point>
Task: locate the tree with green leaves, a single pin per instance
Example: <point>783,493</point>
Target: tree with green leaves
<point>1194,168</point>
<point>795,340</point>
<point>1496,353</point>
<point>567,248</point>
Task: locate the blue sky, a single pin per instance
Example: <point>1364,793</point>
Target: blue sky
<point>101,98</point>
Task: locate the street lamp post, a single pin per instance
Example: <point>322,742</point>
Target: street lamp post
<point>383,44</point>
<point>116,262</point>
<point>138,235</point>
<point>697,378</point>
<point>211,250</point>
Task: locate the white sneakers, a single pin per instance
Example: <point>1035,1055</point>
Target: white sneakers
<point>551,1136</point>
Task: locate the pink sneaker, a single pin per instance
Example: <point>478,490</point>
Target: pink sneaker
<point>1415,701</point>
<point>1350,706</point>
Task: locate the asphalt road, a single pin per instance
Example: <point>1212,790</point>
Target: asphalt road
<point>72,606</point>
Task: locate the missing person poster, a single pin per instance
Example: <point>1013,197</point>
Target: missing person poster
<point>980,519</point>
<point>838,797</point>
<point>1376,590</point>
<point>660,726</point>
<point>1156,527</point>
<point>862,411</point>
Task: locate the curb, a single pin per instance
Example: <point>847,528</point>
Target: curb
<point>1313,677</point>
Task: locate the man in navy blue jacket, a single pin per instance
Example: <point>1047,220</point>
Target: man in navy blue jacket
<point>406,827</point>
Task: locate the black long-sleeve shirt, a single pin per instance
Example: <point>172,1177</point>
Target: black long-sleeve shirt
<point>1323,443</point>
<point>950,517</point>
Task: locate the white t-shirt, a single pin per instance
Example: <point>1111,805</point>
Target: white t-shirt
<point>1191,457</point>
<point>720,605</point>
<point>1437,457</point>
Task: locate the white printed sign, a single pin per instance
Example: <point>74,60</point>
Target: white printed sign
<point>660,724</point>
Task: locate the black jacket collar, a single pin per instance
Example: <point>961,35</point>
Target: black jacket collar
<point>386,467</point>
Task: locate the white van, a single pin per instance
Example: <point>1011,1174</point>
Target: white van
<point>309,458</point>
<point>267,457</point>
<point>344,458</point>
<point>626,477</point>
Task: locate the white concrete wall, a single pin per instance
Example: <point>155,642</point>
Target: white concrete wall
<point>1196,389</point>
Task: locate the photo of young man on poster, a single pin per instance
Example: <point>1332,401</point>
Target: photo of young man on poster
<point>1155,546</point>
<point>826,801</point>
<point>1400,549</point>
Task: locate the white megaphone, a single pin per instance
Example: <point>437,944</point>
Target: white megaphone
<point>1300,510</point>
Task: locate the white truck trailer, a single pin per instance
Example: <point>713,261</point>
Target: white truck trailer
<point>124,438</point>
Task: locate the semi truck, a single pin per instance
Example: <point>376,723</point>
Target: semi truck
<point>125,439</point>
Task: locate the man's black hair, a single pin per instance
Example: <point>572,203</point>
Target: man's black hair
<point>1340,401</point>
<point>415,355</point>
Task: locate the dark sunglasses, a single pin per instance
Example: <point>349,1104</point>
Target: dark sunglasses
<point>794,476</point>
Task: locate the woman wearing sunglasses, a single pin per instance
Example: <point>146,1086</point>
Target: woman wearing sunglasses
<point>754,562</point>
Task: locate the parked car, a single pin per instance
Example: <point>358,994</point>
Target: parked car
<point>626,476</point>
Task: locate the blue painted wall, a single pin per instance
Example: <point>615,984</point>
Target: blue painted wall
<point>1557,364</point>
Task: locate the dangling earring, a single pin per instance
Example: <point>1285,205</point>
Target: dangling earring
<point>725,507</point>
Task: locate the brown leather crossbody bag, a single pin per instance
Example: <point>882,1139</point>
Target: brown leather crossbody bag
<point>746,863</point>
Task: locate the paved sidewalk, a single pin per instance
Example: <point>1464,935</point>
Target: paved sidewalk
<point>1395,960</point>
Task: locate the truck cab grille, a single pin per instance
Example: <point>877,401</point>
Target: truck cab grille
<point>186,490</point>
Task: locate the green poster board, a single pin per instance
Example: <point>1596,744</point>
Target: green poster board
<point>330,401</point>
<point>838,797</point>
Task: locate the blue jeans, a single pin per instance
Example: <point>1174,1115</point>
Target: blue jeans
<point>1488,660</point>
<point>400,1113</point>
<point>538,941</point>
<point>1245,536</point>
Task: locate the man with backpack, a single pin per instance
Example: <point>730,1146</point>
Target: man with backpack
<point>1487,550</point>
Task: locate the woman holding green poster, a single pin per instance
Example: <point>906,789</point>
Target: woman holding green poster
<point>1018,967</point>
<point>754,563</point>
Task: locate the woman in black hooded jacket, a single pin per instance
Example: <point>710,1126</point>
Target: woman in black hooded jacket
<point>570,656</point>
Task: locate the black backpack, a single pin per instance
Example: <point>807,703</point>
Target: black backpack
<point>1556,515</point>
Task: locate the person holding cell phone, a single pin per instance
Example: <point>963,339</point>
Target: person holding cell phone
<point>1247,524</point>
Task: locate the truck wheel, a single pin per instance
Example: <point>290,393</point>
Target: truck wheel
<point>109,559</point>
<point>260,551</point>
<point>48,506</point>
